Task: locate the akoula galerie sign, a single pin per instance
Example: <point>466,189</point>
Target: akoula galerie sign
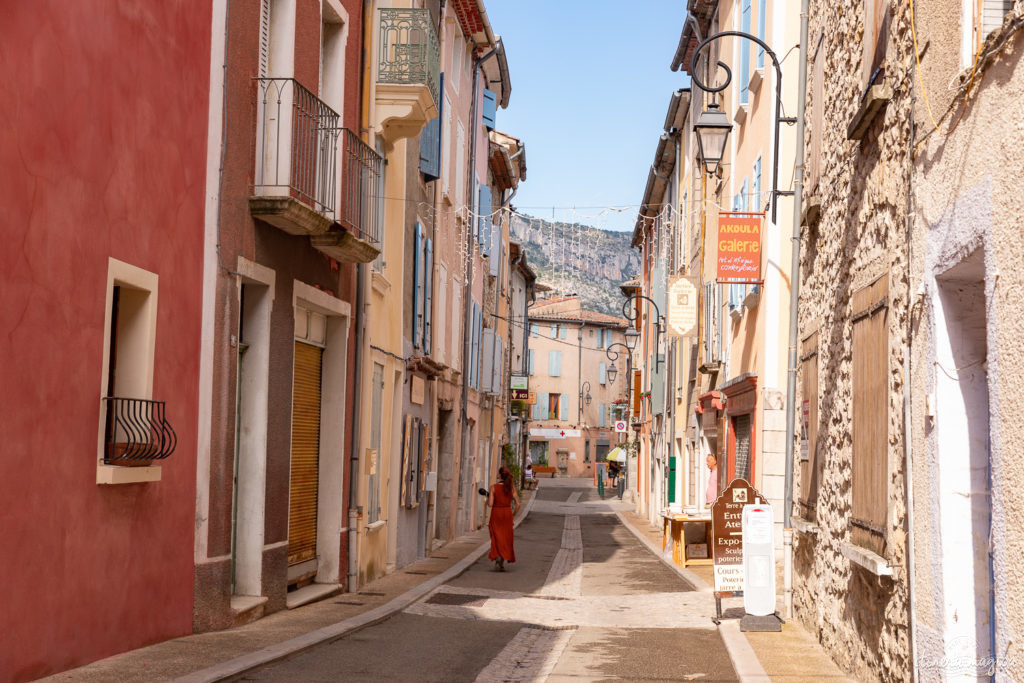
<point>739,248</point>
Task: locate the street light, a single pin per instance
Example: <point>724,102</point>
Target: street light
<point>659,328</point>
<point>612,373</point>
<point>712,129</point>
<point>584,397</point>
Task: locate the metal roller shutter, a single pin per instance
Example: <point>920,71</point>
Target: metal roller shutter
<point>305,454</point>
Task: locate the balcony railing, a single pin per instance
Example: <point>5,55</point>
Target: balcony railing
<point>361,167</point>
<point>296,145</point>
<point>136,430</point>
<point>409,51</point>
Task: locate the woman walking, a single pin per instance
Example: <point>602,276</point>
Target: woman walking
<point>500,499</point>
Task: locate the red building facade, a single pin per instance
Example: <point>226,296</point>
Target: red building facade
<point>104,152</point>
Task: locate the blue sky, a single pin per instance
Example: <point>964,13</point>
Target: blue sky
<point>590,88</point>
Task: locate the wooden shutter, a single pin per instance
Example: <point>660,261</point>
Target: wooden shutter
<point>563,405</point>
<point>499,364</point>
<point>637,388</point>
<point>417,284</point>
<point>870,415</point>
<point>489,109</point>
<point>810,469</point>
<point>817,116</point>
<point>876,38</point>
<point>554,363</point>
<point>545,413</point>
<point>993,12</point>
<point>530,361</point>
<point>428,293</point>
<point>487,371</point>
<point>430,144</point>
<point>305,470</point>
<point>602,373</point>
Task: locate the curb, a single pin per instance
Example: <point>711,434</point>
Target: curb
<point>273,653</point>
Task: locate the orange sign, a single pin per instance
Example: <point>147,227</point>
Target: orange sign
<point>739,247</point>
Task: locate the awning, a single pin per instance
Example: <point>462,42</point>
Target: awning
<point>617,454</point>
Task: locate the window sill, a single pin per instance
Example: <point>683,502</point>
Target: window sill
<point>804,527</point>
<point>113,474</point>
<point>375,526</point>
<point>741,113</point>
<point>876,564</point>
<point>380,284</point>
<point>756,76</point>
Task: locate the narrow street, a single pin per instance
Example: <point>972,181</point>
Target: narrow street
<point>584,601</point>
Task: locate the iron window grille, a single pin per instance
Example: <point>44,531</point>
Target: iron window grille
<point>136,430</point>
<point>409,52</point>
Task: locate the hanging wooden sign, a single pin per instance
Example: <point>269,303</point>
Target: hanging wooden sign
<point>739,248</point>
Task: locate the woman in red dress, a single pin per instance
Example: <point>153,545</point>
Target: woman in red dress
<point>500,499</point>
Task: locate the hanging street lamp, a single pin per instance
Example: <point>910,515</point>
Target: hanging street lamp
<point>712,129</point>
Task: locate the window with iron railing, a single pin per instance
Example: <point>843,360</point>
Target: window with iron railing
<point>360,210</point>
<point>409,51</point>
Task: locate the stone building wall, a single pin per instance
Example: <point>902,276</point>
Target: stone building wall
<point>859,616</point>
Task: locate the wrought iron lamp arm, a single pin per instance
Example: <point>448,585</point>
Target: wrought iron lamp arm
<point>779,119</point>
<point>614,355</point>
<point>657,328</point>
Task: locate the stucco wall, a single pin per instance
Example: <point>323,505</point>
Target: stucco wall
<point>861,618</point>
<point>103,157</point>
<point>966,199</point>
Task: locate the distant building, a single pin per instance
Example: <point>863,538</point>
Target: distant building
<point>572,423</point>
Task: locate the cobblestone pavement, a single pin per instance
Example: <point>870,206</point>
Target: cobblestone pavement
<point>585,601</point>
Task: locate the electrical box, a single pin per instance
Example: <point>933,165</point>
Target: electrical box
<point>758,560</point>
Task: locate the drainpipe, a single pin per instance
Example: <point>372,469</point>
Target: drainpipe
<point>908,465</point>
<point>794,302</point>
<point>360,315</point>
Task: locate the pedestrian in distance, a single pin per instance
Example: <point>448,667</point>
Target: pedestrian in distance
<point>712,492</point>
<point>500,499</point>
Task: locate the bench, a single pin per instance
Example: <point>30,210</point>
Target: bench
<point>545,469</point>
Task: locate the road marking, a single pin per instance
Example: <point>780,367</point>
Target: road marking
<point>530,656</point>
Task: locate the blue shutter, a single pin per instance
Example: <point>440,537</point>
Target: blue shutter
<point>554,363</point>
<point>490,108</point>
<point>563,405</point>
<point>562,330</point>
<point>745,194</point>
<point>554,331</point>
<point>600,339</point>
<point>535,410</point>
<point>417,284</point>
<point>544,406</point>
<point>601,373</point>
<point>756,191</point>
<point>479,340</point>
<point>430,143</point>
<point>428,293</point>
<point>534,330</point>
<point>760,31</point>
<point>603,416</point>
<point>529,355</point>
<point>745,55</point>
<point>484,220</point>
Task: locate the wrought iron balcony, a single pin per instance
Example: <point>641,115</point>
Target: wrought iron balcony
<point>296,174</point>
<point>408,72</point>
<point>409,52</point>
<point>361,208</point>
<point>137,431</point>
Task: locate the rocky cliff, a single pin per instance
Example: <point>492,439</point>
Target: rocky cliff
<point>577,259</point>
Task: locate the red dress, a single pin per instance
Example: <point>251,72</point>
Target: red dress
<point>501,525</point>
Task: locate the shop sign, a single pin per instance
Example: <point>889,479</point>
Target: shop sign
<point>520,395</point>
<point>519,382</point>
<point>727,536</point>
<point>682,307</point>
<point>739,248</point>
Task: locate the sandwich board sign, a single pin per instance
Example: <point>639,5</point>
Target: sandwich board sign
<point>727,538</point>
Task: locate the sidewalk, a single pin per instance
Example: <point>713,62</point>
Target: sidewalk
<point>221,654</point>
<point>792,655</point>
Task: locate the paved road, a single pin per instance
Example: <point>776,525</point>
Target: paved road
<point>585,601</point>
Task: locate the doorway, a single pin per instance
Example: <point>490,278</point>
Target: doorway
<point>961,437</point>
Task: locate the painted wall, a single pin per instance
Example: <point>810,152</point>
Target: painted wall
<point>966,208</point>
<point>108,161</point>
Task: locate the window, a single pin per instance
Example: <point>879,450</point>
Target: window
<point>534,330</point>
<point>809,466</point>
<point>986,16</point>
<point>870,415</point>
<point>817,116</point>
<point>373,464</point>
<point>446,146</point>
<point>530,361</point>
<point>761,11</point>
<point>554,401</point>
<point>458,57</point>
<point>460,167</point>
<point>422,283</point>
<point>554,363</point>
<point>602,373</point>
<point>554,331</point>
<point>756,202</point>
<point>600,339</point>
<point>744,47</point>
